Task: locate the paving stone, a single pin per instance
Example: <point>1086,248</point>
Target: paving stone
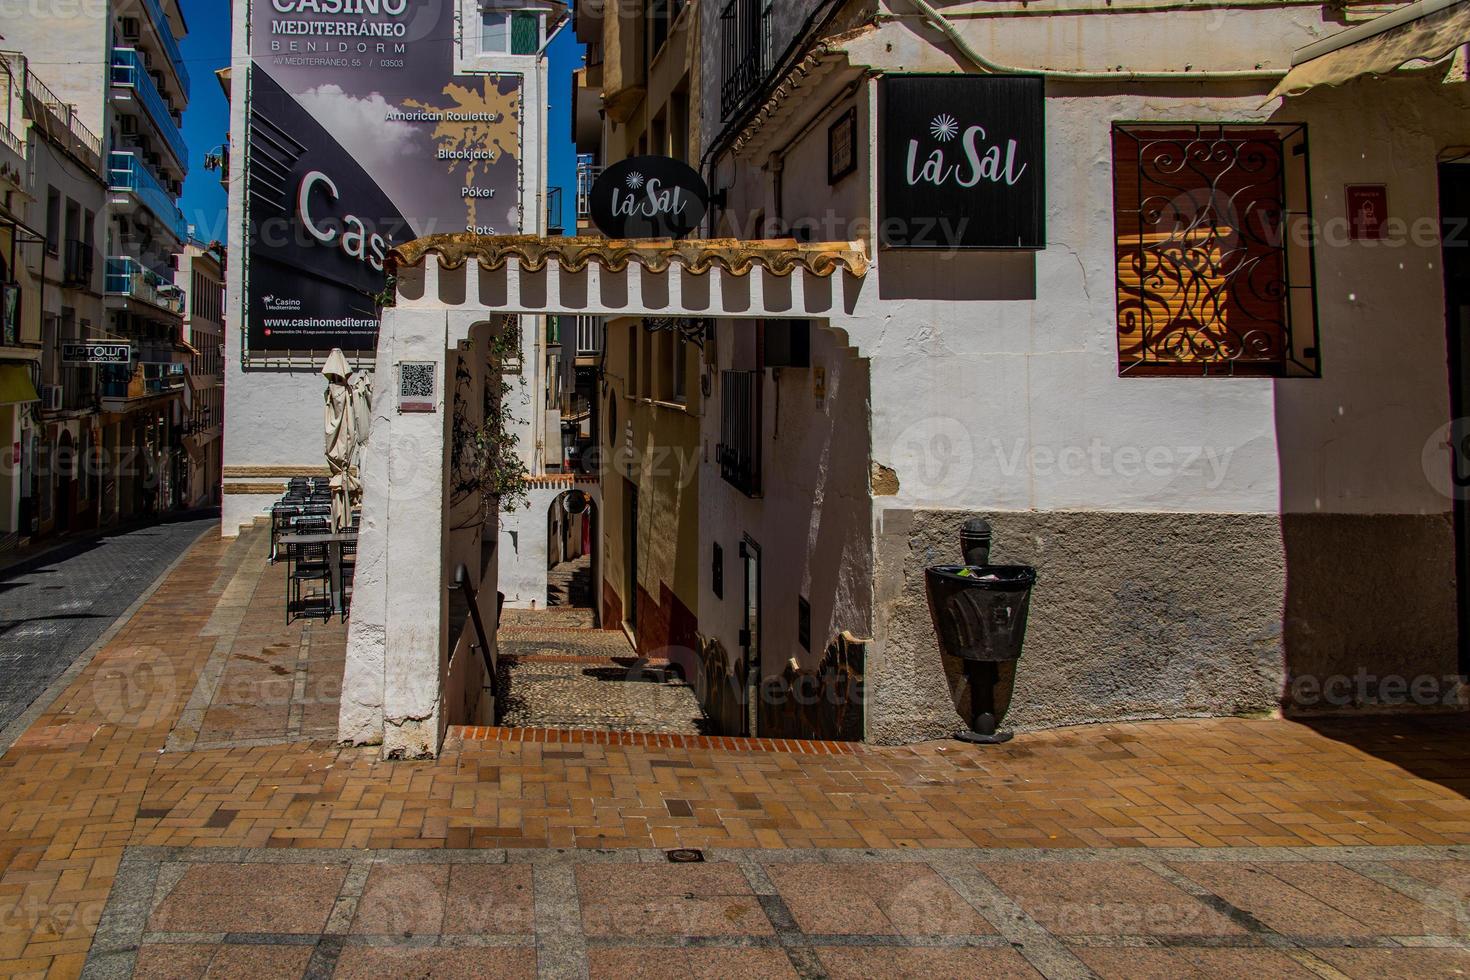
<point>1107,900</point>
<point>398,963</point>
<point>874,900</point>
<point>652,900</point>
<point>226,898</point>
<point>656,963</point>
<point>853,963</point>
<point>1169,964</point>
<point>1398,964</point>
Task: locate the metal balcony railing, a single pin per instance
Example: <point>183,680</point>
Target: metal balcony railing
<point>126,276</point>
<point>126,172</point>
<point>745,51</point>
<point>587,174</point>
<point>53,118</point>
<point>739,449</point>
<point>128,71</point>
<point>590,335</point>
<point>79,263</point>
<point>13,141</point>
<point>165,32</point>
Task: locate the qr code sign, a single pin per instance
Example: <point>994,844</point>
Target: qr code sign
<point>416,386</point>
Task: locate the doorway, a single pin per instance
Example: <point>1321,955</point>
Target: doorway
<point>1454,205</point>
<point>750,634</point>
<point>570,565</point>
<point>65,482</point>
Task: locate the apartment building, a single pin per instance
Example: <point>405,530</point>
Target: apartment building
<point>201,278</point>
<point>632,98</point>
<point>95,97</point>
<point>1143,332</point>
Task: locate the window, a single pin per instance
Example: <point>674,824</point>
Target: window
<point>504,31</point>
<point>745,51</point>
<point>632,379</point>
<point>53,221</point>
<point>1214,275</point>
<point>739,450</point>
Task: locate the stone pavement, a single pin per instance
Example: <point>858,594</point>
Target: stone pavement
<point>556,677</point>
<point>55,605</point>
<point>1339,849</point>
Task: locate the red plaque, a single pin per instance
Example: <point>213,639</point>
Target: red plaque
<point>1367,209</point>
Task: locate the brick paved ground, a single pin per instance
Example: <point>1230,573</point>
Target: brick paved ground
<point>54,607</point>
<point>1004,833</point>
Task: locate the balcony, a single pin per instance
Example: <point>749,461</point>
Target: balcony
<point>79,263</point>
<point>54,119</point>
<point>130,278</point>
<point>165,31</point>
<point>126,173</point>
<point>128,72</point>
<point>587,174</point>
<point>589,335</point>
<point>739,450</point>
<point>745,51</point>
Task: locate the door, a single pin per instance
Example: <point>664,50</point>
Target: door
<point>1454,204</point>
<point>66,491</point>
<point>630,553</point>
<point>750,634</point>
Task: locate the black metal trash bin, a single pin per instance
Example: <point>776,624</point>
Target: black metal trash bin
<point>979,615</point>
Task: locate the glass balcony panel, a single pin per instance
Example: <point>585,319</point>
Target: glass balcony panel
<point>127,70</point>
<point>165,33</point>
<point>126,172</point>
<point>126,276</point>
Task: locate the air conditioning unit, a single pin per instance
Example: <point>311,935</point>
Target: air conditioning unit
<point>51,398</point>
<point>131,29</point>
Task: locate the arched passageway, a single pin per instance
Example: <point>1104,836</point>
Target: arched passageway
<point>571,539</point>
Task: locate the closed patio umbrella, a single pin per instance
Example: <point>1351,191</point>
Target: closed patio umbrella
<point>340,421</point>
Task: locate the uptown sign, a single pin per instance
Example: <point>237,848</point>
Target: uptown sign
<point>962,161</point>
<point>96,352</point>
<point>648,197</point>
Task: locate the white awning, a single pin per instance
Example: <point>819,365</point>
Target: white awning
<point>1424,32</point>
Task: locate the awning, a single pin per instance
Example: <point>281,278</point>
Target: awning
<point>15,385</point>
<point>1425,31</point>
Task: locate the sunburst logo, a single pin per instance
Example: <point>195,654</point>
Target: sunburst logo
<point>944,127</point>
<point>635,180</point>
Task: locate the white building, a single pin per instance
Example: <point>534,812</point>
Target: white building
<point>1190,373</point>
<point>94,98</point>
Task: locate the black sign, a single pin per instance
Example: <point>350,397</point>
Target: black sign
<point>97,352</point>
<point>963,161</point>
<point>649,197</point>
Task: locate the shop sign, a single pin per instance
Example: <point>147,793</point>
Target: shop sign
<point>1367,209</point>
<point>648,197</point>
<point>962,160</point>
<point>96,352</point>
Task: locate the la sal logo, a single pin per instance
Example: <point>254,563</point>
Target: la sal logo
<point>973,160</point>
<point>647,198</point>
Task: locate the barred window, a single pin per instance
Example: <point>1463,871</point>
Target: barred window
<point>1214,255</point>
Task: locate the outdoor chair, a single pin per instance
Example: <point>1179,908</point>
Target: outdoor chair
<point>310,563</point>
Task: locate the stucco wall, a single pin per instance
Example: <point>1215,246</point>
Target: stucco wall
<point>1133,616</point>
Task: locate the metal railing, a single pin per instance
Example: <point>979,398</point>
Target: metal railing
<point>126,172</point>
<point>590,331</point>
<point>128,70</point>
<point>739,450</point>
<point>587,174</point>
<point>487,652</point>
<point>745,42</point>
<point>13,141</point>
<point>126,276</point>
<point>56,119</point>
<point>165,32</point>
<point>79,263</point>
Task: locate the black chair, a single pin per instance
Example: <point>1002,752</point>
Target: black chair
<point>310,563</point>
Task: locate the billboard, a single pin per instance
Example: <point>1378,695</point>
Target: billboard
<point>361,137</point>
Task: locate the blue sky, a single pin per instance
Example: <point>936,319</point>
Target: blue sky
<point>207,120</point>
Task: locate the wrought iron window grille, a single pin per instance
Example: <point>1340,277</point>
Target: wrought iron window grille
<point>745,46</point>
<point>1215,267</point>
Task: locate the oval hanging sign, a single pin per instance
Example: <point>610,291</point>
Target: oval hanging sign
<point>648,197</point>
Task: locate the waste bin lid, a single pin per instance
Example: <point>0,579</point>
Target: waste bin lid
<point>1004,578</point>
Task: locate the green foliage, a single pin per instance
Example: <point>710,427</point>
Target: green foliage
<point>485,464</point>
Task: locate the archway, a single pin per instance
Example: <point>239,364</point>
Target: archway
<point>571,539</point>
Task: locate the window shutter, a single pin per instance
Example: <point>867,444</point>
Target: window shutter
<point>525,32</point>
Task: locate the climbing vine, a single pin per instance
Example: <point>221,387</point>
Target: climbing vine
<point>485,464</point>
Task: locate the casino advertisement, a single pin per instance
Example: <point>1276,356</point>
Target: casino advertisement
<point>361,137</point>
